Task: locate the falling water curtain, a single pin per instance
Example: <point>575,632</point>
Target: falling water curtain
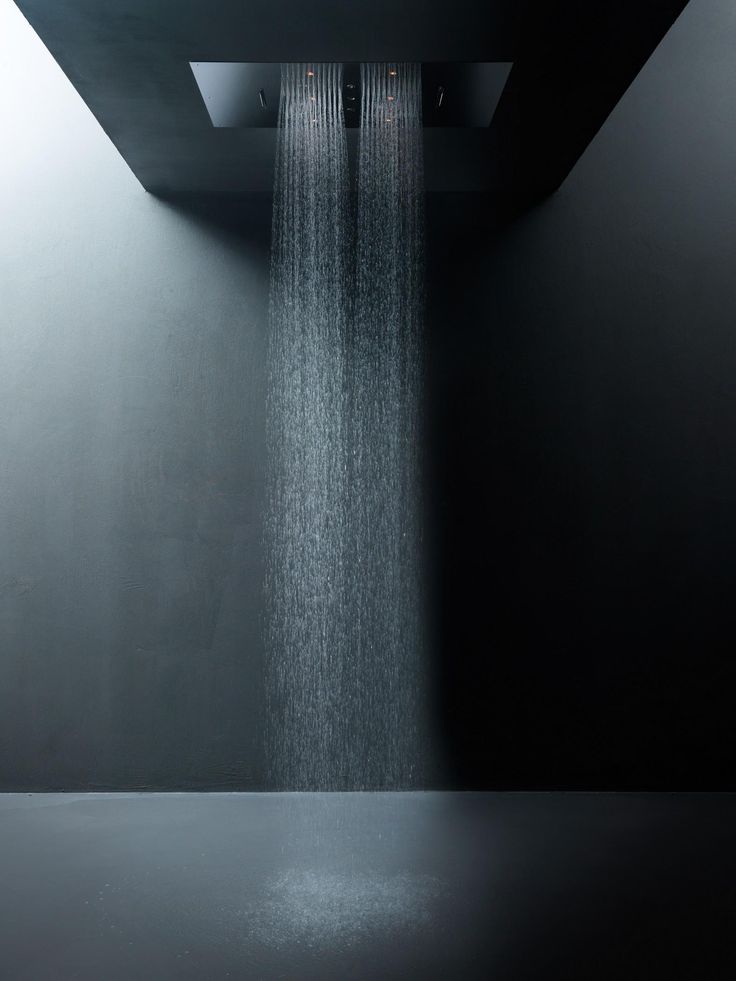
<point>306,514</point>
<point>343,585</point>
<point>384,367</point>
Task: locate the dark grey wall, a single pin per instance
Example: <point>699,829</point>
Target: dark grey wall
<point>583,412</point>
<point>131,444</point>
<point>584,400</point>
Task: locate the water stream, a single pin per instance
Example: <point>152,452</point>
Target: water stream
<point>343,607</point>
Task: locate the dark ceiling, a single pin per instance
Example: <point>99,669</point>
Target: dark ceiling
<point>129,61</point>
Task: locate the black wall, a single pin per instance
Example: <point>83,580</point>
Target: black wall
<point>583,366</point>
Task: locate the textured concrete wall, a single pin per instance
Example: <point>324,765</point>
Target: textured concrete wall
<point>131,449</point>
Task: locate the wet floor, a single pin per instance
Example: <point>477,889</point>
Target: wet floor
<point>367,886</point>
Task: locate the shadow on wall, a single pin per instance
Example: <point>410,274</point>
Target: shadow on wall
<point>584,472</point>
<point>241,222</point>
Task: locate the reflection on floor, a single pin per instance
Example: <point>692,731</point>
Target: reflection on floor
<point>102,887</point>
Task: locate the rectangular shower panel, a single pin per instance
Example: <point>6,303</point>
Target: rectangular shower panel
<point>454,94</point>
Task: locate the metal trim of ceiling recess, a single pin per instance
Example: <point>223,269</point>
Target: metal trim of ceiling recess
<point>130,62</point>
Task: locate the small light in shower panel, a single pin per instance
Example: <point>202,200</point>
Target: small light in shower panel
<point>392,71</point>
<point>310,73</point>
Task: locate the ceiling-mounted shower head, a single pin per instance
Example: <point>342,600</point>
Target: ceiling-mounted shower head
<point>454,94</point>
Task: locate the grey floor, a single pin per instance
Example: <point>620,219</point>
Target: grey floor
<point>399,886</point>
